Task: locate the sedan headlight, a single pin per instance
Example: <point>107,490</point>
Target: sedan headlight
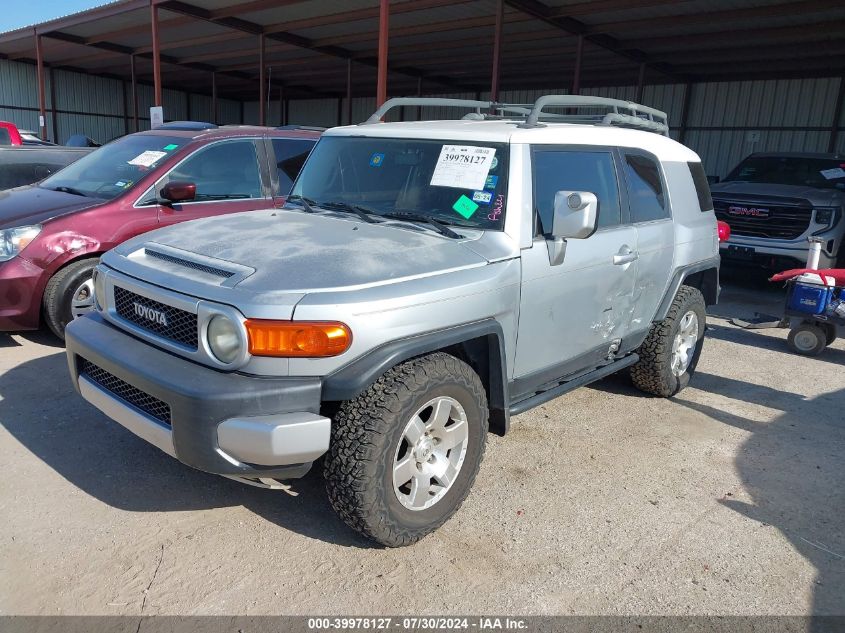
<point>223,339</point>
<point>13,241</point>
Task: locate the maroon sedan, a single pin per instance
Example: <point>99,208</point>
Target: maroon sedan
<point>52,233</point>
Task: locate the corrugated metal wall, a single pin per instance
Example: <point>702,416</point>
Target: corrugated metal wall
<point>95,106</point>
<point>725,121</point>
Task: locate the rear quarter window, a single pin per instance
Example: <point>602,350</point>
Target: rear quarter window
<point>702,187</point>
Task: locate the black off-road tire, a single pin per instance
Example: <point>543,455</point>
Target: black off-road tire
<point>807,329</point>
<point>830,333</point>
<point>367,431</point>
<point>59,293</point>
<point>653,374</point>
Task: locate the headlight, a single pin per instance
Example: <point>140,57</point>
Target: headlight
<point>99,290</point>
<point>223,339</point>
<point>827,216</point>
<point>13,241</point>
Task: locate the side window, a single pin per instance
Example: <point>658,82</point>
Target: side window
<point>645,189</point>
<point>227,170</point>
<point>573,170</point>
<point>702,187</point>
<point>290,157</point>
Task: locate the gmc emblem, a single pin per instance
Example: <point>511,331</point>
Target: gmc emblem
<point>156,316</point>
<point>754,212</point>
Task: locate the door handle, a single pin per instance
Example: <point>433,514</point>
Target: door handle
<point>625,256</point>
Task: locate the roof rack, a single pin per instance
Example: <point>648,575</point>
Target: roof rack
<point>187,126</point>
<point>621,113</point>
<point>310,128</point>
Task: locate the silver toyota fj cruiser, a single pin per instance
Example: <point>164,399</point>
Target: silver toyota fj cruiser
<point>424,282</point>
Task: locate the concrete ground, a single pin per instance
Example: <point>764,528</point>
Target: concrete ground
<point>727,499</point>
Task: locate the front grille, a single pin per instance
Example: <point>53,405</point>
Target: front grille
<point>126,392</point>
<point>211,270</point>
<point>177,325</point>
<point>784,221</point>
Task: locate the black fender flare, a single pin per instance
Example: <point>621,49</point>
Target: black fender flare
<point>352,379</point>
<point>680,275</point>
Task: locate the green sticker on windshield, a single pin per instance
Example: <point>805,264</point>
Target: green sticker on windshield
<point>465,207</point>
<point>170,147</point>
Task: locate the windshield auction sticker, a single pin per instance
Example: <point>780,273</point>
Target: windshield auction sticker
<point>463,166</point>
<point>147,159</point>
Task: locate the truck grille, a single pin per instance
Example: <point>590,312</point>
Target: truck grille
<point>126,392</point>
<point>758,218</point>
<point>159,318</point>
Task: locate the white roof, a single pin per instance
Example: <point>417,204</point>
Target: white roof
<point>661,146</point>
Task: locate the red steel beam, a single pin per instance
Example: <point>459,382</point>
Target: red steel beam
<point>156,53</point>
<point>576,76</point>
<point>42,97</point>
<point>383,35</point>
<point>497,50</point>
<point>133,71</point>
<point>262,94</point>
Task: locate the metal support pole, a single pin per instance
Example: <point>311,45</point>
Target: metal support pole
<point>383,34</point>
<point>134,74</point>
<point>262,94</point>
<point>576,76</point>
<point>419,94</point>
<point>156,53</point>
<point>53,105</point>
<point>349,91</point>
<point>214,116</point>
<point>281,105</point>
<point>42,97</point>
<point>682,132</point>
<point>340,111</point>
<point>837,116</point>
<point>497,50</point>
<point>640,83</point>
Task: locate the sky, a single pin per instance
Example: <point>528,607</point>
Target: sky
<point>16,14</point>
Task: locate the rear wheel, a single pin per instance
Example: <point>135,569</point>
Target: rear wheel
<point>670,352</point>
<point>69,294</point>
<point>807,339</point>
<point>830,333</point>
<point>404,454</point>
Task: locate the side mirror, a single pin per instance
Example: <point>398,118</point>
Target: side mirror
<point>179,191</point>
<point>575,217</point>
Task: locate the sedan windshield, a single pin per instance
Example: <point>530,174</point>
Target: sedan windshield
<point>456,183</point>
<point>825,173</point>
<point>114,168</point>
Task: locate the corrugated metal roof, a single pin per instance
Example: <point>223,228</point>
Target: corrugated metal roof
<point>448,42</point>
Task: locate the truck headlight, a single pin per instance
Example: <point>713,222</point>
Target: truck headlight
<point>223,339</point>
<point>13,241</point>
<point>826,216</point>
<point>99,290</point>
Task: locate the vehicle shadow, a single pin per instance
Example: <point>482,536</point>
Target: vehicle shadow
<point>40,408</point>
<point>792,468</point>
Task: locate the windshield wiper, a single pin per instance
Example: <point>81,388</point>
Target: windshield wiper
<point>419,217</point>
<point>71,190</point>
<point>362,212</point>
<point>305,202</point>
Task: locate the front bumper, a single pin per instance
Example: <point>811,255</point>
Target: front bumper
<point>21,286</point>
<point>773,254</point>
<point>223,423</point>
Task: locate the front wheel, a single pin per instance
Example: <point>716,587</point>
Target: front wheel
<point>404,454</point>
<point>69,294</point>
<point>670,352</point>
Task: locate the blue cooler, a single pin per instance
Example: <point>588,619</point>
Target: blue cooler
<point>809,299</point>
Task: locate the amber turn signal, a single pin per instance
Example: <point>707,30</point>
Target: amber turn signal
<point>304,339</point>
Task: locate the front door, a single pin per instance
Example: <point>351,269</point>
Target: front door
<point>228,177</point>
<point>572,314</point>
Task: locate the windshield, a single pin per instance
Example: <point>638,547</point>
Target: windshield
<point>826,173</point>
<point>458,183</point>
<point>114,168</point>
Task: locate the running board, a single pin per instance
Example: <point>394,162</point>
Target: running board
<point>565,387</point>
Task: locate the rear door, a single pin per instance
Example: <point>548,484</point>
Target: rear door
<point>230,176</point>
<point>571,314</point>
<point>651,215</point>
<point>287,156</point>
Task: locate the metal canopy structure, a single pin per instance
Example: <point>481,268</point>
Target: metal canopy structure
<point>319,48</point>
